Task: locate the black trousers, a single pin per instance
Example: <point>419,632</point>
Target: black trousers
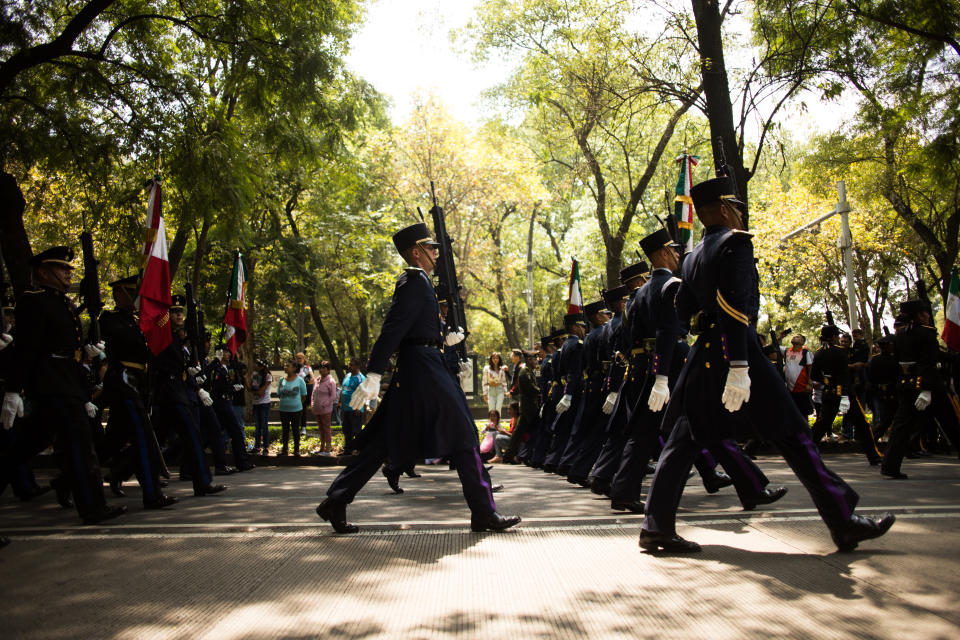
<point>352,423</point>
<point>562,425</point>
<point>525,425</point>
<point>474,479</point>
<point>835,499</point>
<point>131,440</point>
<point>234,430</point>
<point>907,422</point>
<point>18,475</point>
<point>830,407</point>
<point>212,432</point>
<point>183,421</point>
<point>290,421</point>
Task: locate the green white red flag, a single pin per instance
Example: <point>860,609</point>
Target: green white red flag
<point>235,318</point>
<point>951,327</point>
<point>683,204</point>
<point>155,294</point>
<point>574,293</point>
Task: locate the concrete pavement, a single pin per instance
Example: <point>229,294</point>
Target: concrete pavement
<point>256,562</point>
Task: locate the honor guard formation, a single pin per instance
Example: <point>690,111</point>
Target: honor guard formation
<point>663,374</point>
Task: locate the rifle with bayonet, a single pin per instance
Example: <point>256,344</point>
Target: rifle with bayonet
<point>447,276</point>
<point>193,326</point>
<point>723,171</point>
<point>90,287</point>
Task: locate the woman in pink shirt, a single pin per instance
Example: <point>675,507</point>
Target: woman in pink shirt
<point>321,404</point>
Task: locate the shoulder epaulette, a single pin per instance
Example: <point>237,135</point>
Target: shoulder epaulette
<point>34,291</point>
<point>669,283</point>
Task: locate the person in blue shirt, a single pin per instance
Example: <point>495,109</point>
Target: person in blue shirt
<point>291,391</point>
<point>351,419</point>
<point>423,413</point>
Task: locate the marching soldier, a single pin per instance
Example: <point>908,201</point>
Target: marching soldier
<point>724,370</point>
<point>568,368</point>
<point>129,434</point>
<point>550,393</point>
<point>423,411</point>
<point>222,387</point>
<point>48,371</point>
<point>174,398</point>
<point>528,393</point>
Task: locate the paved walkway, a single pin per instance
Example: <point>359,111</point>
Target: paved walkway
<point>255,562</point>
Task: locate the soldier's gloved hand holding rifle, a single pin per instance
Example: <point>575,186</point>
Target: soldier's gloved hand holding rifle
<point>12,409</point>
<point>610,402</point>
<point>91,409</point>
<point>204,397</point>
<point>367,391</point>
<point>660,394</point>
<point>564,403</point>
<point>844,405</point>
<point>454,337</point>
<point>923,400</point>
<point>737,389</point>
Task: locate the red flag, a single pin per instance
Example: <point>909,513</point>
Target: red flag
<point>155,295</point>
<point>236,315</point>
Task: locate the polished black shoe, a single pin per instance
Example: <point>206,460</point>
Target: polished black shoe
<point>106,514</point>
<point>549,468</point>
<point>669,542</point>
<point>717,482</point>
<point>413,474</point>
<point>635,506</point>
<point>492,522</point>
<point>161,502</point>
<point>536,465</point>
<point>116,487</point>
<point>583,482</point>
<point>36,491</point>
<point>63,493</point>
<point>860,528</point>
<point>336,514</point>
<point>224,471</point>
<point>210,489</point>
<point>768,496</point>
<point>393,479</point>
<point>562,470</point>
<point>600,487</point>
<point>497,488</point>
<point>896,475</point>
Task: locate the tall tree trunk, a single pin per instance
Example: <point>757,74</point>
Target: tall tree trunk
<point>177,247</point>
<point>13,236</point>
<point>201,252</point>
<point>706,13</point>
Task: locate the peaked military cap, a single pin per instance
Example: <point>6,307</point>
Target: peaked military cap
<point>913,307</point>
<point>612,295</point>
<point>633,271</point>
<point>574,318</point>
<point>9,303</point>
<point>712,190</point>
<point>594,307</point>
<point>60,255</point>
<point>656,241</point>
<point>177,302</point>
<point>410,236</point>
<point>545,340</point>
<point>130,282</point>
<point>530,353</point>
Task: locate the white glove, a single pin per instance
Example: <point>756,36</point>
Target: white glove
<point>12,409</point>
<point>91,409</point>
<point>193,371</point>
<point>454,337</point>
<point>201,379</point>
<point>610,402</point>
<point>844,404</point>
<point>923,401</point>
<point>367,391</point>
<point>564,403</point>
<point>94,350</point>
<point>5,340</point>
<point>660,393</point>
<point>238,387</point>
<point>737,389</point>
<point>218,353</point>
<point>205,397</point>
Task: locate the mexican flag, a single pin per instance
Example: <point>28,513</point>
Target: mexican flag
<point>154,214</point>
<point>155,294</point>
<point>683,204</point>
<point>951,327</point>
<point>236,316</point>
<point>574,294</point>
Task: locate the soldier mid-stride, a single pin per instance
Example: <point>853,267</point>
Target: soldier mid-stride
<point>720,291</point>
<point>423,412</point>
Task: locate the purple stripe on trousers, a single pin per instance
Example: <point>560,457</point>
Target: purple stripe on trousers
<point>483,483</point>
<point>747,471</point>
<point>825,479</point>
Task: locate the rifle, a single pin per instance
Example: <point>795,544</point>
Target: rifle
<point>90,287</point>
<point>447,276</point>
<point>723,171</point>
<point>192,322</point>
<point>670,224</point>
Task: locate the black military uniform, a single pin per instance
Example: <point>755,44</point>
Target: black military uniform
<point>220,383</point>
<point>528,393</point>
<point>550,393</point>
<point>883,374</point>
<point>720,292</point>
<point>423,413</point>
<point>48,353</point>
<point>129,437</point>
<point>568,369</point>
<point>921,389</point>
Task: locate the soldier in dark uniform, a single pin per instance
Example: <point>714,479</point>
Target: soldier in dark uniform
<point>221,388</point>
<point>550,393</point>
<point>48,370</point>
<point>593,396</point>
<point>727,382</point>
<point>174,398</point>
<point>204,406</point>
<point>528,452</point>
<point>921,389</point>
<point>423,412</point>
<point>129,437</point>
<point>528,394</point>
<point>883,374</point>
<point>568,368</point>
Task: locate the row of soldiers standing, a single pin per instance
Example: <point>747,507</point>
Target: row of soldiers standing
<point>177,398</point>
